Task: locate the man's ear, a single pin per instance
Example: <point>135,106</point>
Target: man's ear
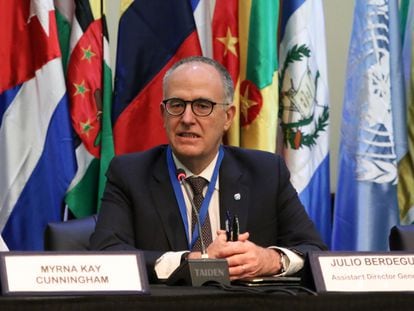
<point>162,111</point>
<point>162,107</point>
<point>230,113</point>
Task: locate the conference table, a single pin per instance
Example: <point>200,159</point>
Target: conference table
<point>163,297</point>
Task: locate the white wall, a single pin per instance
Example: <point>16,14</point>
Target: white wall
<point>338,25</point>
<point>112,15</point>
<point>338,22</point>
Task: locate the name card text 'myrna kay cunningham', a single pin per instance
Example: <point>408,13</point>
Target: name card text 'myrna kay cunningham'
<point>72,273</point>
<point>362,271</point>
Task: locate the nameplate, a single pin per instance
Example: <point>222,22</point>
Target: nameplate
<point>362,271</point>
<point>52,273</point>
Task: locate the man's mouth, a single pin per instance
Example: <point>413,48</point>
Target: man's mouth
<point>188,135</point>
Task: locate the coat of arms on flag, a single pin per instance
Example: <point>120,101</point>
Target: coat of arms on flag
<point>299,102</point>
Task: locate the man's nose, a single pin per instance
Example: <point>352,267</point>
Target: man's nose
<point>188,115</point>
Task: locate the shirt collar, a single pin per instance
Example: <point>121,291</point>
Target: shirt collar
<point>207,173</point>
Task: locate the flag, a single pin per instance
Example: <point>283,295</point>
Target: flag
<point>152,36</point>
<point>406,165</point>
<point>304,107</point>
<point>242,35</point>
<point>36,146</point>
<point>404,12</point>
<point>372,130</point>
<point>64,10</point>
<point>217,26</point>
<point>89,83</point>
<point>258,27</point>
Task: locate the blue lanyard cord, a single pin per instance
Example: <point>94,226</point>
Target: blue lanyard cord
<point>180,196</point>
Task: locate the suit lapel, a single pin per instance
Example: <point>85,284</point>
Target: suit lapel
<point>234,192</point>
<point>166,206</point>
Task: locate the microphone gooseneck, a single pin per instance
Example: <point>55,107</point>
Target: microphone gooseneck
<point>196,272</point>
<point>181,175</point>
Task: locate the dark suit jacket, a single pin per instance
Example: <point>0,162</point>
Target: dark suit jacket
<point>139,209</point>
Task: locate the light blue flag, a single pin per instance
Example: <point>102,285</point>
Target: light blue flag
<point>304,107</point>
<point>366,204</point>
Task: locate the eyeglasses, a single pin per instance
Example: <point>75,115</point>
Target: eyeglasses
<point>201,107</point>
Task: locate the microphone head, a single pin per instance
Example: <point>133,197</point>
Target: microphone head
<point>180,174</point>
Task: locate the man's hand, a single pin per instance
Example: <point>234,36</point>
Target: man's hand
<point>250,260</point>
<point>245,259</point>
<point>213,250</point>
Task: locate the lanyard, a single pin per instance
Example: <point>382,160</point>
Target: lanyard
<point>180,196</point>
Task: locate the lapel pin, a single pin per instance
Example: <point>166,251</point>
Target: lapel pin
<point>237,196</point>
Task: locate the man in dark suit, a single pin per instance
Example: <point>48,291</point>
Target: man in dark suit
<point>145,207</point>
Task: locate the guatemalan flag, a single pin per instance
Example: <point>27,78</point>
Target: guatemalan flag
<point>36,150</point>
<point>304,107</point>
<point>373,131</point>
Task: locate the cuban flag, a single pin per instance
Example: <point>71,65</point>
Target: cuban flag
<point>304,107</point>
<point>36,148</point>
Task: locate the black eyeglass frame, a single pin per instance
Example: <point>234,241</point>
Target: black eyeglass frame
<point>191,102</point>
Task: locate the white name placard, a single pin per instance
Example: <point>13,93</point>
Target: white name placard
<point>363,272</point>
<point>72,273</point>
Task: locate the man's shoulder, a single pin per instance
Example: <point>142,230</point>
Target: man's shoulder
<point>253,164</point>
<point>251,154</point>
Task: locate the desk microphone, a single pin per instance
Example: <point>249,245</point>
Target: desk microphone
<point>197,272</point>
<point>181,178</point>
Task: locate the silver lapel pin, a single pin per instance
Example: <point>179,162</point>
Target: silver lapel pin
<point>237,196</point>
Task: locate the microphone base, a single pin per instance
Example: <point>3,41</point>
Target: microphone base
<point>197,272</point>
